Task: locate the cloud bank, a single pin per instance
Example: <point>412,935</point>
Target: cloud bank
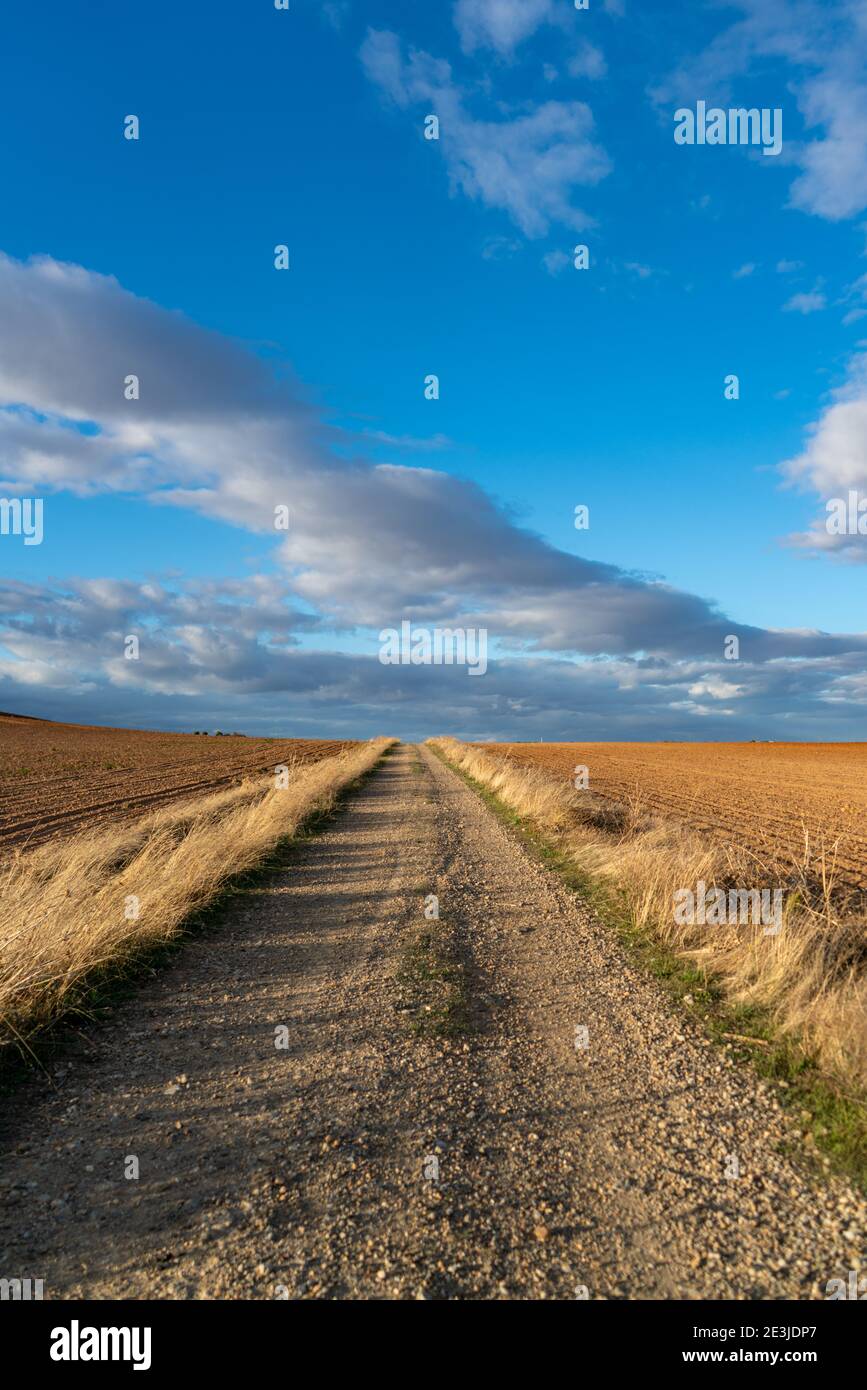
<point>227,434</point>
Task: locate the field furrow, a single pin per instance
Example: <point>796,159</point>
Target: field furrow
<point>57,778</point>
<point>803,803</point>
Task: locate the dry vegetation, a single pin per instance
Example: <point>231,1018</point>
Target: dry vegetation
<point>811,977</point>
<point>67,908</point>
<point>57,778</point>
<point>803,804</point>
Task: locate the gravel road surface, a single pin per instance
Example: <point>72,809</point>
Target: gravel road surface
<point>297,1132</point>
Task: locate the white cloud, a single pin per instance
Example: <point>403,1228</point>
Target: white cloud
<point>555,262</point>
<point>809,303</point>
<point>834,462</point>
<point>500,24</point>
<point>221,654</point>
<point>856,295</point>
<point>716,688</point>
<point>206,634</point>
<point>744,270</point>
<point>833,183</point>
<point>220,431</point>
<point>588,61</point>
<point>503,25</point>
<point>501,248</point>
<point>336,11</point>
<point>825,50</point>
<point>527,165</point>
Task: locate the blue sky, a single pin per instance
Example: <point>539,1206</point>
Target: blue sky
<point>454,257</point>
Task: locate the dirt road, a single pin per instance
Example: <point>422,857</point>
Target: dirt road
<point>363,1160</point>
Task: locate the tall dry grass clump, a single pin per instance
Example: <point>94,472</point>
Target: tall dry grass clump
<point>811,975</point>
<point>93,901</point>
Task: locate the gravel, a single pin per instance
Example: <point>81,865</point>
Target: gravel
<point>367,1159</point>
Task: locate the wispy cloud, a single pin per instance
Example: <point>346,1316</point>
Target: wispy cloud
<point>807,303</point>
<point>587,61</point>
<point>555,262</point>
<point>526,165</point>
<point>500,24</point>
<point>824,50</point>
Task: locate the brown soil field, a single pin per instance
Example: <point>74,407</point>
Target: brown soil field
<point>789,802</point>
<point>56,778</point>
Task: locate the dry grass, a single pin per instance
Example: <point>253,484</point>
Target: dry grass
<point>67,778</point>
<point>811,977</point>
<point>63,906</point>
<point>791,802</point>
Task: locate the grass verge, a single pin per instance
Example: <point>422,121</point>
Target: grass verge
<point>830,1109</point>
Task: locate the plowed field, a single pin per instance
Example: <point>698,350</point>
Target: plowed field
<point>55,778</point>
<point>788,801</point>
